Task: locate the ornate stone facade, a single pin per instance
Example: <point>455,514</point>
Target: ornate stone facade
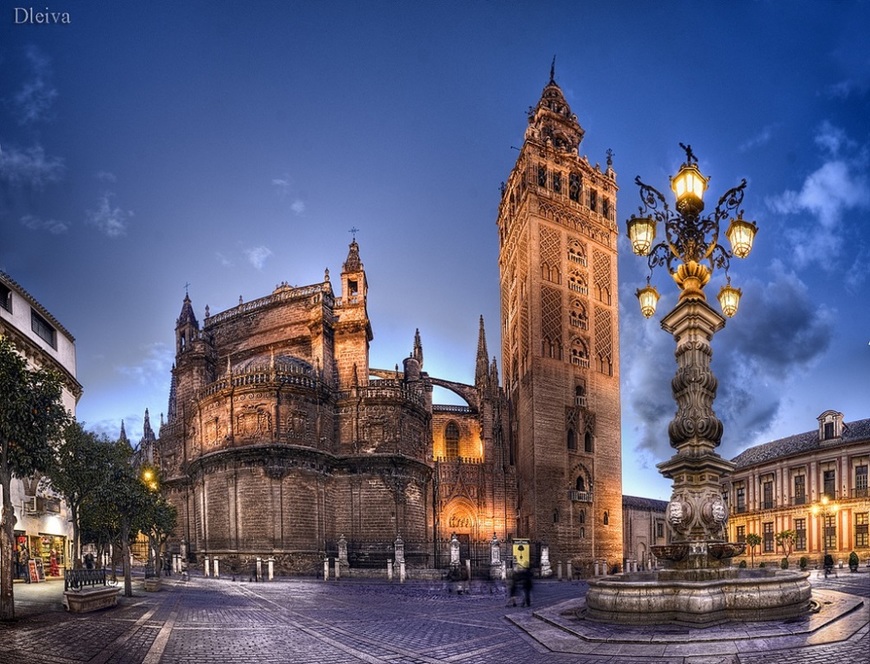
<point>560,352</point>
<point>280,438</point>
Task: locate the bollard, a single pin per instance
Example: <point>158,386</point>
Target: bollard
<point>559,570</point>
<point>337,570</point>
<point>271,563</point>
<point>326,569</point>
<point>402,572</point>
<point>207,568</point>
<point>504,570</point>
<point>468,570</point>
<point>259,569</point>
<point>389,570</point>
<point>217,569</point>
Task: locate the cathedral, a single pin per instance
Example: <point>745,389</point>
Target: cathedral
<point>281,441</point>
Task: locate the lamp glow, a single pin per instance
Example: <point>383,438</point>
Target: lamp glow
<point>741,234</point>
<point>648,297</point>
<point>689,187</point>
<point>641,232</point>
<point>729,299</point>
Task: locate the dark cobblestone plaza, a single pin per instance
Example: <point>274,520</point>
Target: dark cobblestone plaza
<point>208,621</point>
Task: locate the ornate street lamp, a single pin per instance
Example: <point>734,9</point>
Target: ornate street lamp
<point>691,251</point>
<point>690,247</point>
<point>825,508</point>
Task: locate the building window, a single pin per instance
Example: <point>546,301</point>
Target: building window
<point>861,526</point>
<point>606,519</point>
<point>556,515</point>
<point>829,430</point>
<point>557,182</point>
<point>830,531</point>
<point>572,440</point>
<point>580,485</point>
<point>605,207</point>
<point>660,530</point>
<point>580,396</point>
<point>593,200</point>
<point>542,176</point>
<point>800,539</point>
<point>800,490</point>
<point>5,298</point>
<point>740,506</point>
<point>581,516</point>
<point>588,442</point>
<point>830,485</point>
<point>574,187</point>
<point>579,354</point>
<point>451,440</point>
<point>767,495</point>
<point>767,537</point>
<point>860,481</point>
<point>741,534</point>
<point>42,329</point>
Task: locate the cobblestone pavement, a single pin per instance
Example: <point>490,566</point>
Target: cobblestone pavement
<point>209,621</point>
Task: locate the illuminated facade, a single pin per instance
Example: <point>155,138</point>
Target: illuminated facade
<point>776,485</point>
<point>42,525</point>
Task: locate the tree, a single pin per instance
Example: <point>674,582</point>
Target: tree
<point>32,419</point>
<point>78,468</point>
<point>159,520</point>
<point>786,540</point>
<point>753,541</point>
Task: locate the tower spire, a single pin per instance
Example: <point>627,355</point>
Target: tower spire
<point>553,70</point>
<point>482,366</point>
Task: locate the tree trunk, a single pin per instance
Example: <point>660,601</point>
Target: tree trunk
<point>125,553</point>
<point>7,535</point>
<point>77,551</point>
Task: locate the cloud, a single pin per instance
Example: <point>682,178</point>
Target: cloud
<point>283,187</point>
<point>29,167</point>
<point>111,221</point>
<point>257,256</point>
<point>154,369</point>
<point>779,333</point>
<point>105,176</point>
<point>836,187</point>
<point>35,98</point>
<point>53,226</point>
<point>223,260</point>
<point>761,138</point>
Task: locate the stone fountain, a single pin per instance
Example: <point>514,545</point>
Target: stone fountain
<point>698,585</point>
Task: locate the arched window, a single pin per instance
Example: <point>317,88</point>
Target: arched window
<point>606,519</point>
<point>580,395</point>
<point>572,440</point>
<point>451,440</point>
<point>579,354</point>
<point>580,484</point>
<point>581,517</point>
<point>587,442</point>
<point>574,187</point>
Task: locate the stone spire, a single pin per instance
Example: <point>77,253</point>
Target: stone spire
<point>552,122</point>
<point>353,262</point>
<point>417,353</point>
<point>186,327</point>
<point>481,369</point>
<point>123,436</point>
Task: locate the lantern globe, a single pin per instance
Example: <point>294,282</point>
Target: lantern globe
<point>648,297</point>
<point>741,235</point>
<point>641,232</point>
<point>729,299</point>
<point>689,186</point>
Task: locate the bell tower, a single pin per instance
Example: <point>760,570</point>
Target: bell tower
<point>353,330</point>
<point>560,350</point>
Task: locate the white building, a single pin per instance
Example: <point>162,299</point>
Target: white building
<point>42,524</point>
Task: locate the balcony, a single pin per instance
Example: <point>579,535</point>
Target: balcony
<point>861,493</point>
<point>579,496</point>
<point>799,500</point>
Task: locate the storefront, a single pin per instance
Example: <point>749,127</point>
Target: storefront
<point>46,552</point>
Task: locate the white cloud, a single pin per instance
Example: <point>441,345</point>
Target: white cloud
<point>257,256</point>
<point>298,206</point>
<point>836,187</point>
<point>283,187</point>
<point>29,167</point>
<point>111,221</point>
<point>53,226</point>
<point>106,176</point>
<point>761,138</point>
<point>154,369</point>
<point>36,96</point>
<point>223,260</point>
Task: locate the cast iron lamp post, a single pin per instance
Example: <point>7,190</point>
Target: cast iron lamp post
<point>691,248</point>
<point>824,508</point>
<point>691,252</point>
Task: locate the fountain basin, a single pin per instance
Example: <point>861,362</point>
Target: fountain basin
<point>698,597</point>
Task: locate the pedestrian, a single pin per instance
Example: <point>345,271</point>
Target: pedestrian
<point>527,586</point>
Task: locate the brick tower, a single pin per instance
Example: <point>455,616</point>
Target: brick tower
<point>560,350</point>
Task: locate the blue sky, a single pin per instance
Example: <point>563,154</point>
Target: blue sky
<point>231,146</point>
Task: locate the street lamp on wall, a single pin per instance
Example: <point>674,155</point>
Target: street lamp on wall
<point>825,508</point>
<point>690,248</point>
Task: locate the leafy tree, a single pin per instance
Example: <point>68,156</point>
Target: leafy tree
<point>159,521</point>
<point>76,473</point>
<point>32,419</point>
<point>786,540</point>
<point>753,541</point>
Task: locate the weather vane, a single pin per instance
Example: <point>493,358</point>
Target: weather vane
<point>353,231</point>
